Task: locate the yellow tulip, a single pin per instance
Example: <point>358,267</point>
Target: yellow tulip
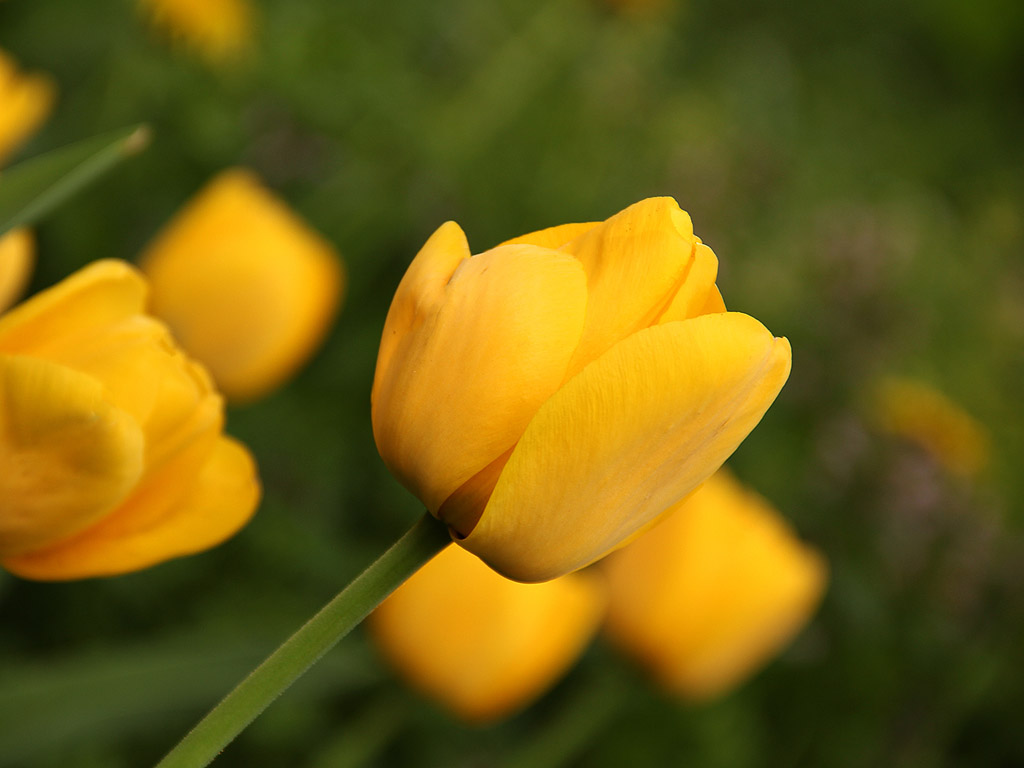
<point>25,101</point>
<point>712,592</point>
<point>17,253</point>
<point>112,456</point>
<point>219,30</point>
<point>479,644</point>
<point>247,288</point>
<point>553,396</point>
<point>915,411</point>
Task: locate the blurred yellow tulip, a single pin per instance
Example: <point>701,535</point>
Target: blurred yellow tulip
<point>551,397</point>
<point>219,30</point>
<point>112,456</point>
<point>25,101</point>
<point>17,252</point>
<point>248,289</point>
<point>713,591</point>
<point>481,645</point>
<point>917,412</point>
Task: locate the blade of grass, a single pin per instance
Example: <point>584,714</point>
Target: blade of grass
<point>32,189</point>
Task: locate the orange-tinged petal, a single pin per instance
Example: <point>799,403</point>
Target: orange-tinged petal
<point>25,102</point>
<point>698,294</point>
<point>162,520</point>
<point>621,442</point>
<point>482,645</point>
<point>713,591</point>
<point>101,294</point>
<point>68,456</point>
<point>248,288</point>
<point>635,262</point>
<point>554,237</point>
<point>459,388</point>
<point>17,253</point>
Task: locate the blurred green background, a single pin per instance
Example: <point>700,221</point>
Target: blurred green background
<point>858,167</point>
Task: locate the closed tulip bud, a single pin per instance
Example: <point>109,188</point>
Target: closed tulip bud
<point>916,412</point>
<point>25,101</point>
<point>479,644</point>
<point>247,287</point>
<point>112,455</point>
<point>17,252</point>
<point>551,397</point>
<point>218,30</point>
<point>712,592</point>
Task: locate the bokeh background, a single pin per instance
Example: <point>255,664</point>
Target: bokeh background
<point>859,170</point>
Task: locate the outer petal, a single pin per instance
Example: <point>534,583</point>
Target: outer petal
<point>17,252</point>
<point>554,237</point>
<point>76,308</point>
<point>459,388</point>
<point>713,591</point>
<point>621,442</point>
<point>480,644</point>
<point>67,455</point>
<point>161,521</point>
<point>635,262</point>
<point>25,101</point>
<point>247,287</point>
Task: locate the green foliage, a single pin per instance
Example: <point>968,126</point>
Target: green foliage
<point>855,166</point>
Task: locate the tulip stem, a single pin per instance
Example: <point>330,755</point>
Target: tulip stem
<point>299,652</point>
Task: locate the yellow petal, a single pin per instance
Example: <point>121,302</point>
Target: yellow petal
<point>698,294</point>
<point>479,644</point>
<point>17,253</point>
<point>554,237</point>
<point>248,289</point>
<point>67,455</point>
<point>25,102</point>
<point>173,516</point>
<point>712,592</point>
<point>621,442</point>
<point>635,263</point>
<point>101,294</point>
<point>219,30</point>
<point>464,371</point>
<point>421,292</point>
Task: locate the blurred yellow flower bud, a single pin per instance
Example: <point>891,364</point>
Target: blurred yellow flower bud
<point>479,644</point>
<point>17,252</point>
<point>554,395</point>
<point>248,289</point>
<point>25,101</point>
<point>219,30</point>
<point>112,456</point>
<point>713,591</point>
<point>914,411</point>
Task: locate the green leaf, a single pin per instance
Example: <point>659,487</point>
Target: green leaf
<point>33,188</point>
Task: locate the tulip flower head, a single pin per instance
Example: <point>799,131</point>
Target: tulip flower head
<point>712,592</point>
<point>25,101</point>
<point>219,30</point>
<point>917,412</point>
<point>247,287</point>
<point>553,396</point>
<point>479,644</point>
<point>112,455</point>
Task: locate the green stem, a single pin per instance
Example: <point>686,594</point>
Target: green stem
<point>299,652</point>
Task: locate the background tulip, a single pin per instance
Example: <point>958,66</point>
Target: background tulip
<point>17,252</point>
<point>713,591</point>
<point>219,30</point>
<point>554,395</point>
<point>479,644</point>
<point>25,101</point>
<point>112,456</point>
<point>247,287</point>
